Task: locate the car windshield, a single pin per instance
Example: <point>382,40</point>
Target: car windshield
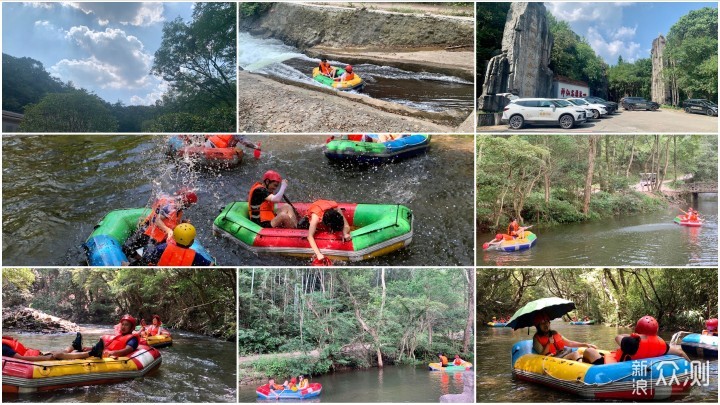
<point>562,103</point>
<point>708,103</point>
<point>578,101</point>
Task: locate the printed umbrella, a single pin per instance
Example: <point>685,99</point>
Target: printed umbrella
<point>554,307</point>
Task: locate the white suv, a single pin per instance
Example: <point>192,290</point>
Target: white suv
<point>594,110</point>
<point>542,111</point>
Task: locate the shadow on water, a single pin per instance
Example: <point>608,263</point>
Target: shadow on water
<point>390,384</point>
<point>195,368</point>
<point>494,374</point>
<point>650,239</point>
<point>53,195</point>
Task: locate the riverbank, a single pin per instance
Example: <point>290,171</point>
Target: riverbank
<point>267,105</point>
<point>25,319</point>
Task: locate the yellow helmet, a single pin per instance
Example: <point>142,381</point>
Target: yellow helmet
<point>184,234</point>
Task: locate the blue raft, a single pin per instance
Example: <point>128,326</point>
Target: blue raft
<point>367,152</point>
<point>700,345</point>
<point>592,322</point>
<point>104,246</point>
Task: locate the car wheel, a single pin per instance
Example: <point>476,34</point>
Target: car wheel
<point>567,122</point>
<point>516,122</point>
<point>653,108</point>
<point>709,113</point>
<point>629,108</point>
<point>596,114</point>
<point>687,110</point>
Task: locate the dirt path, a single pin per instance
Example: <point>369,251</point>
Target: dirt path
<point>639,187</point>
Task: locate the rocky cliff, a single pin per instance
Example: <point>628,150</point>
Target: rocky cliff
<point>522,67</point>
<point>659,87</point>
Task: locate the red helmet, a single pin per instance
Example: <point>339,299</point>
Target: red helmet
<point>188,196</point>
<point>272,175</point>
<point>647,325</point>
<point>348,68</point>
<point>711,324</point>
<point>130,319</point>
<point>541,317</point>
<point>293,380</point>
<point>498,236</point>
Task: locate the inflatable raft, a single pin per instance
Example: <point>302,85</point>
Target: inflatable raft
<point>377,229</point>
<point>696,344</point>
<point>158,341</point>
<point>497,324</point>
<point>355,84</point>
<point>606,381</point>
<point>466,365</point>
<point>313,390</point>
<point>683,221</point>
<point>20,376</point>
<point>104,246</point>
<point>591,322</point>
<point>345,150</point>
<point>516,244</point>
<point>204,156</point>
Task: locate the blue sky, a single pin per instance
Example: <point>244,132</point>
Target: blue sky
<point>106,48</point>
<point>622,28</point>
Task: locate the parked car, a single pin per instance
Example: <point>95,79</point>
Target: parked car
<point>542,111</point>
<point>700,106</point>
<point>639,103</point>
<point>610,105</point>
<point>592,110</point>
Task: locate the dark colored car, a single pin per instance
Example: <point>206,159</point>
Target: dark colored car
<point>611,106</point>
<point>639,103</point>
<point>700,106</point>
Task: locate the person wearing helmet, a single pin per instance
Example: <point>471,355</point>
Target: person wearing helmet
<point>329,213</point>
<point>179,253</point>
<point>261,202</point>
<point>711,327</point>
<point>166,213</point>
<point>548,342</point>
<point>347,76</point>
<point>121,344</point>
<point>644,343</point>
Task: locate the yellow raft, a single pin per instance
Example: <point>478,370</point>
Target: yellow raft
<point>356,83</point>
<point>466,365</point>
<point>159,341</point>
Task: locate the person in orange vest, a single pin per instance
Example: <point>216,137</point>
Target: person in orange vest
<point>166,213</point>
<point>548,342</point>
<point>155,328</point>
<point>458,361</point>
<point>178,254</point>
<point>443,360</point>
<point>643,344</point>
<point>261,202</point>
<point>119,345</point>
<point>228,141</point>
<point>326,69</point>
<point>347,76</point>
<point>329,213</point>
<point>11,347</point>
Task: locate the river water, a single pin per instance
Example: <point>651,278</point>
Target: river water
<point>494,374</point>
<point>53,195</point>
<point>650,239</point>
<point>420,90</point>
<point>195,368</point>
<point>390,384</point>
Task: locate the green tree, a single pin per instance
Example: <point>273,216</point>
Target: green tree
<point>25,81</point>
<point>199,57</point>
<point>75,111</point>
<point>490,24</point>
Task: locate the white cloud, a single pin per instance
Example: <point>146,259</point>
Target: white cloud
<point>138,14</point>
<point>88,73</point>
<point>34,4</point>
<point>624,33</point>
<point>611,49</point>
<point>151,97</point>
<point>607,13</point>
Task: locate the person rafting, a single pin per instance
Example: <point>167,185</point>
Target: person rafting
<point>548,342</point>
<point>691,215</point>
<point>458,361</point>
<point>166,213</point>
<point>177,254</point>
<point>326,69</point>
<point>586,318</point>
<point>119,345</point>
<point>276,387</point>
<point>303,382</point>
<point>262,199</point>
<point>347,76</point>
<point>228,141</point>
<point>643,344</point>
<point>328,212</point>
<point>711,327</point>
<point>155,328</point>
<point>443,360</point>
<point>11,347</point>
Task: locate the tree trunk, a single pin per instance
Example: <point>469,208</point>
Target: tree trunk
<point>592,142</point>
<point>632,155</point>
<point>469,273</point>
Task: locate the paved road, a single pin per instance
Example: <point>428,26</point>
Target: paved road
<point>628,122</point>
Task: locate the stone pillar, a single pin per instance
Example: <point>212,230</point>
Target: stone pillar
<point>522,67</point>
<point>660,85</point>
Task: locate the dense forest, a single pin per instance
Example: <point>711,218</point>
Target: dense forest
<point>201,301</point>
<point>561,179</point>
<point>677,298</point>
<point>353,318</point>
<point>196,58</point>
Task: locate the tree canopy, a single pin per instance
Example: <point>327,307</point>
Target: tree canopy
<point>74,111</point>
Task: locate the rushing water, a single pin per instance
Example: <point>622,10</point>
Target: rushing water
<point>56,188</point>
<point>194,369</point>
<point>494,374</point>
<point>390,384</point>
<point>421,90</point>
<point>640,240</point>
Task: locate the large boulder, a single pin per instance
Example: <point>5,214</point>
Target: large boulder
<point>660,86</point>
<point>24,319</point>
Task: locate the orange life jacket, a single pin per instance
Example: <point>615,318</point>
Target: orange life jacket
<point>650,346</point>
<point>18,347</point>
<point>171,221</point>
<point>175,255</point>
<point>443,360</point>
<point>221,141</point>
<point>320,206</point>
<point>557,347</point>
<point>117,342</point>
<point>348,77</point>
<point>263,212</point>
<point>513,227</point>
<point>152,330</point>
<point>303,384</point>
<point>356,137</point>
<point>325,68</point>
<point>457,362</point>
